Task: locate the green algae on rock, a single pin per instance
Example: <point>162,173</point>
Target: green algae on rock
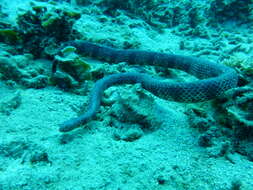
<point>74,64</point>
<point>243,65</point>
<point>45,25</point>
<point>9,35</point>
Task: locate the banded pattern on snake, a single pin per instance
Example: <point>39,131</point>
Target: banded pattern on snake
<point>215,78</point>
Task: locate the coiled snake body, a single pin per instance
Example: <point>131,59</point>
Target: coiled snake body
<point>216,78</point>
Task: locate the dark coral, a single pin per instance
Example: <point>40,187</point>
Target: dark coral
<point>238,110</point>
<point>232,10</point>
<point>235,112</point>
<point>42,28</point>
<point>23,70</point>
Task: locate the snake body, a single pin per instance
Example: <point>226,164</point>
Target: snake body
<point>215,78</point>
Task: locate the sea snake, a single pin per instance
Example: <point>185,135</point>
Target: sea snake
<point>215,78</point>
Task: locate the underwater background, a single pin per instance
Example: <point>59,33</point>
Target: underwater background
<point>136,140</point>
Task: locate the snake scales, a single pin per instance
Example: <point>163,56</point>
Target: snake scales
<point>216,78</point>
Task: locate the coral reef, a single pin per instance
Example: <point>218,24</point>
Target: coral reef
<point>233,118</point>
<point>10,99</point>
<point>238,102</point>
<point>9,103</point>
<point>235,109</point>
<point>232,121</point>
<point>132,114</point>
<point>44,27</point>
<point>232,10</point>
<point>38,33</point>
<point>138,140</point>
<point>24,150</point>
<point>73,70</point>
<point>159,13</point>
<point>74,64</point>
<point>23,70</point>
<point>194,18</point>
<point>9,36</point>
<point>243,65</point>
<point>238,105</point>
<point>7,31</point>
<point>235,112</point>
